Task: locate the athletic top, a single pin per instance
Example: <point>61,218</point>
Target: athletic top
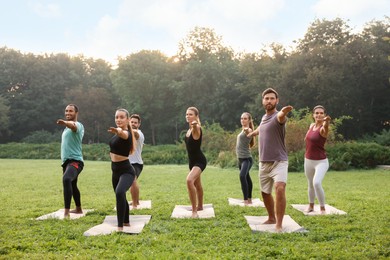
<point>315,145</point>
<point>195,155</point>
<point>121,146</point>
<point>136,156</point>
<point>271,139</point>
<point>71,143</point>
<point>242,146</point>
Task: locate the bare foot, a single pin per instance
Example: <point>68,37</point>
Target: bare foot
<point>66,213</point>
<point>199,208</point>
<point>194,215</point>
<point>309,209</point>
<point>247,202</point>
<point>135,207</point>
<point>270,221</point>
<point>278,229</point>
<point>126,224</point>
<point>77,210</point>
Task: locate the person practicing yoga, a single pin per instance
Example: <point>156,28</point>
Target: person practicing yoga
<point>273,166</point>
<point>136,158</point>
<point>244,156</point>
<point>197,160</point>
<point>316,162</point>
<point>123,174</point>
<point>72,158</point>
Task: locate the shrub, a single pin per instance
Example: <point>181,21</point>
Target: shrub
<point>42,137</point>
<point>296,161</point>
<point>383,138</point>
<point>357,155</point>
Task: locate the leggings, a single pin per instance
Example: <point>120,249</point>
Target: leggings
<point>245,164</point>
<point>315,172</point>
<point>71,170</point>
<point>123,175</point>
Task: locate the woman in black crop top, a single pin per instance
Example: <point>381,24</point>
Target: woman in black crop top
<point>197,160</point>
<point>121,145</point>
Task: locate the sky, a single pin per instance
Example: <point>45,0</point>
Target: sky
<point>109,29</point>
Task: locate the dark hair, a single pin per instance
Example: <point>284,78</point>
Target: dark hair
<point>269,90</point>
<point>136,116</point>
<point>319,106</point>
<point>76,108</point>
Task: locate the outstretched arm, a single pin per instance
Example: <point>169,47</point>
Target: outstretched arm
<point>119,132</point>
<point>195,130</point>
<point>69,124</point>
<point>283,113</point>
<point>325,127</point>
<point>252,133</point>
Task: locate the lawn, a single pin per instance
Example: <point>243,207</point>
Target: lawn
<point>31,188</point>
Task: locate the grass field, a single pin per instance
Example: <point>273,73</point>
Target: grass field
<point>31,188</point>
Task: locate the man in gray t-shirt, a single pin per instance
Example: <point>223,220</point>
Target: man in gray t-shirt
<point>273,158</point>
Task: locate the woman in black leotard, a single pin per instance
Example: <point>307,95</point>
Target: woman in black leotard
<point>121,145</point>
<point>197,160</point>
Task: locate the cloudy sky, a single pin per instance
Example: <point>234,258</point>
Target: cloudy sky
<point>110,28</point>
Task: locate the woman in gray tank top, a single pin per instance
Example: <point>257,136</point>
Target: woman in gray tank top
<point>245,161</point>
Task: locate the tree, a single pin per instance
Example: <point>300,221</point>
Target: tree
<point>208,77</point>
<point>144,82</point>
<point>4,118</point>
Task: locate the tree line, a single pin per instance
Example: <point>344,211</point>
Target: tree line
<point>346,72</point>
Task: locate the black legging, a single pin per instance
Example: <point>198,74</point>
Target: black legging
<point>245,164</point>
<point>71,170</point>
<point>123,175</point>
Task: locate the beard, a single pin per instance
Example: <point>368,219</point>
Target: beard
<point>269,107</point>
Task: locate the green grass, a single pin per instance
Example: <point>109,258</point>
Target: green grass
<point>31,188</point>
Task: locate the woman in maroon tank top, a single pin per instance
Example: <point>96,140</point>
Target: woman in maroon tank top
<point>316,163</point>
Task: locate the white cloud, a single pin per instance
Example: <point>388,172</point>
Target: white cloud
<point>350,8</point>
<point>245,25</point>
<point>46,10</point>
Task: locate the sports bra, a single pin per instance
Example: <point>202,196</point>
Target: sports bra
<point>121,146</point>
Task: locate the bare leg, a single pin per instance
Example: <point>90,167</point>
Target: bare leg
<point>270,206</point>
<point>199,193</point>
<point>280,192</point>
<point>323,211</point>
<point>134,190</point>
<point>77,210</point>
<point>193,175</point>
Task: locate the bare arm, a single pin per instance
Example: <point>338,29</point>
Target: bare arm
<point>136,134</point>
<point>324,131</point>
<point>119,132</point>
<point>251,133</point>
<point>283,113</point>
<point>69,124</point>
<point>195,130</point>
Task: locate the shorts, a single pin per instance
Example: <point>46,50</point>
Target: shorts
<point>138,168</point>
<point>271,172</point>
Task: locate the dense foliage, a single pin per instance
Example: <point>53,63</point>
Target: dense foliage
<point>219,148</point>
<point>346,72</point>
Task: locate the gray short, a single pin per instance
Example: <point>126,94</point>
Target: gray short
<point>271,172</point>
